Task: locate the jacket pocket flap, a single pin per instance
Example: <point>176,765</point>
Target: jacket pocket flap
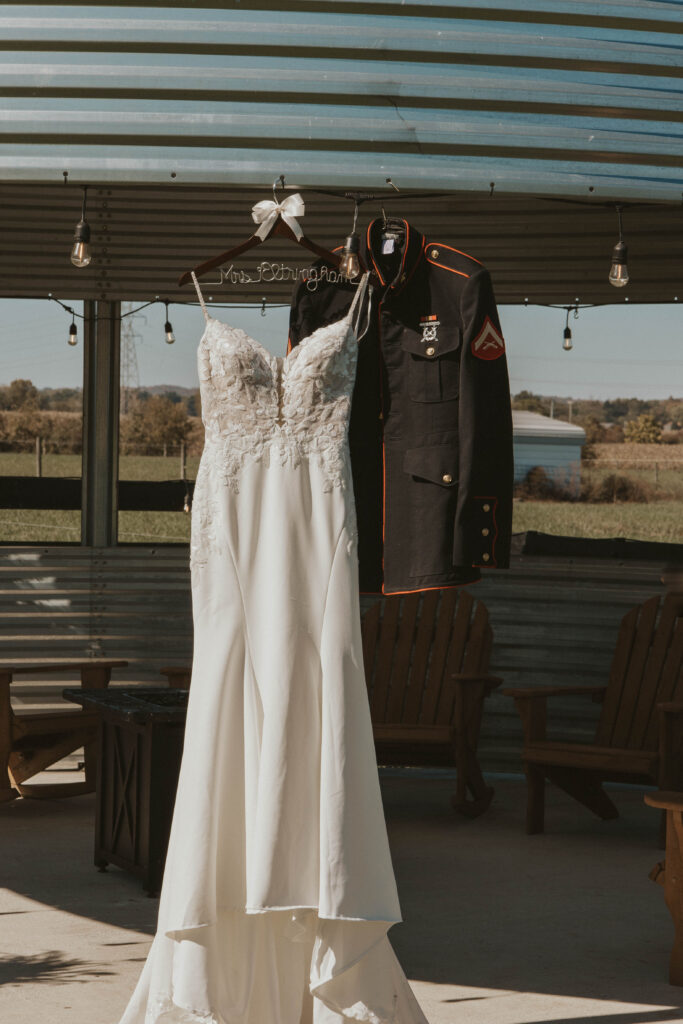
<point>438,463</point>
<point>431,348</point>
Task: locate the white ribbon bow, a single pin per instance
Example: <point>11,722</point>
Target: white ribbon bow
<point>266,213</point>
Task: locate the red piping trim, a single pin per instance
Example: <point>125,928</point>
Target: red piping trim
<point>382,281</point>
<point>419,590</point>
<point>405,248</point>
<point>444,267</point>
<point>444,246</point>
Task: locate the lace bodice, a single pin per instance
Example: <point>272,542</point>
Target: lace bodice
<point>259,407</point>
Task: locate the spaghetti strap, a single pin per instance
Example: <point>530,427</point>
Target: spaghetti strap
<point>355,308</point>
<point>201,297</point>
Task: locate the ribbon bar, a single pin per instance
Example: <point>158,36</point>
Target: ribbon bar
<point>267,212</point>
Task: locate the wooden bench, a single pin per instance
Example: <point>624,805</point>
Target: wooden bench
<point>427,669</point>
<point>646,670</point>
<point>32,741</point>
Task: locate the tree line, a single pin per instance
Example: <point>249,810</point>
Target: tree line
<point>152,423</point>
<point>157,420</point>
<point>614,420</point>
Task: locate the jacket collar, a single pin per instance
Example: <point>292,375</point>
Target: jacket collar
<point>413,248</point>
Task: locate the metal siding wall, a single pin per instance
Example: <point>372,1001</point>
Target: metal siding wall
<point>554,621</point>
<point>560,461</point>
<point>557,98</point>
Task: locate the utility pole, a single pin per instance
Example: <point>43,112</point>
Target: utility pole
<point>570,402</point>
<point>130,376</point>
<point>552,408</point>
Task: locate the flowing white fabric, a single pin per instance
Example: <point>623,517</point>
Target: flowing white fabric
<point>279,890</point>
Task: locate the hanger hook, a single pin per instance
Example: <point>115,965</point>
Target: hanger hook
<point>278,181</point>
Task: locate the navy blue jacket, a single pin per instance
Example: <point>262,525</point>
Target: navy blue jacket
<point>431,428</point>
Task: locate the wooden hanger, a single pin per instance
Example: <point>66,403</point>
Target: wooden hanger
<point>280,229</point>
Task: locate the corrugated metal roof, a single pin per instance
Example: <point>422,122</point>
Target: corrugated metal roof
<point>552,98</point>
<point>181,115</point>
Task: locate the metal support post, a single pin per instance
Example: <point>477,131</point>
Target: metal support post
<point>102,336</point>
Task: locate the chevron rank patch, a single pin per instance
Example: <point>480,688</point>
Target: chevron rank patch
<point>489,343</point>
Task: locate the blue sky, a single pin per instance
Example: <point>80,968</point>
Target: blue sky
<point>619,351</point>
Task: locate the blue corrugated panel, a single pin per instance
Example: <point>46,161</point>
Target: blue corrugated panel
<point>565,98</point>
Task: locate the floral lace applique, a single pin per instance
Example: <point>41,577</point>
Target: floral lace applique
<point>257,407</point>
<point>205,516</point>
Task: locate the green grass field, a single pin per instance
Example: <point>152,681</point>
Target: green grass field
<point>657,520</point>
<point>660,519</point>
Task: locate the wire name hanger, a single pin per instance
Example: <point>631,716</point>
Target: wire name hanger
<point>273,218</point>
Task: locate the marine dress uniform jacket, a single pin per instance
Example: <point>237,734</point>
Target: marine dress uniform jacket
<point>431,428</point>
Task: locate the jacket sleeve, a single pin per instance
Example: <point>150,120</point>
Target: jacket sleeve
<point>483,518</point>
<point>297,315</point>
<point>313,308</point>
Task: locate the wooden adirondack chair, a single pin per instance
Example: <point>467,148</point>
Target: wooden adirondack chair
<point>427,669</point>
<point>646,671</point>
<point>31,742</point>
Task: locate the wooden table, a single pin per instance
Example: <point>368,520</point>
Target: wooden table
<point>142,729</point>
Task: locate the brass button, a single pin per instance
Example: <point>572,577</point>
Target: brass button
<point>447,478</point>
<point>485,532</point>
<point>487,508</point>
<point>430,350</point>
<point>434,253</point>
<point>486,556</point>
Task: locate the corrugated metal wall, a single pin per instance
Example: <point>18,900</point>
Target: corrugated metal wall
<point>554,621</point>
<point>541,97</point>
<point>145,236</point>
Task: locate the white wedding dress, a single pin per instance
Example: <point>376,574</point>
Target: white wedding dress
<point>279,890</point>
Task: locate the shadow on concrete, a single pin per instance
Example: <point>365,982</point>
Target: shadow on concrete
<point>51,967</point>
<point>486,907</point>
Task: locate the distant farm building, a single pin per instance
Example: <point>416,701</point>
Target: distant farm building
<point>553,444</point>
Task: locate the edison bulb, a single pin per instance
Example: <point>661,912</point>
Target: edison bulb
<point>618,274</point>
<point>80,250</point>
<point>350,264</point>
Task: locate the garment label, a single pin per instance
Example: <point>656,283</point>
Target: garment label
<point>387,246</point>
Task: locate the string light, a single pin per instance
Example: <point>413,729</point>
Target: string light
<point>168,327</point>
<point>618,274</point>
<point>350,265</point>
<point>567,334</point>
<point>73,331</point>
<point>80,250</point>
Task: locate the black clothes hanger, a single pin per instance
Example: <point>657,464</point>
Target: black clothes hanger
<point>279,228</point>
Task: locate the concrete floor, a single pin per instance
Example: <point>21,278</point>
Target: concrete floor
<point>498,926</point>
